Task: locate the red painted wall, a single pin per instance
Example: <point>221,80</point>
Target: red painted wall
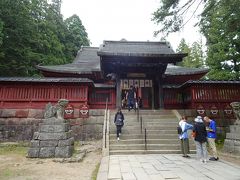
<point>36,96</point>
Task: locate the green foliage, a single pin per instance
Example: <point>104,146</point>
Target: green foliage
<point>76,36</point>
<point>220,140</point>
<point>221,26</point>
<point>195,58</point>
<point>15,148</point>
<point>33,32</point>
<point>95,172</point>
<point>171,15</point>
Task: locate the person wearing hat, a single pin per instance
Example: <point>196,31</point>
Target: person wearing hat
<point>200,139</point>
<point>211,136</point>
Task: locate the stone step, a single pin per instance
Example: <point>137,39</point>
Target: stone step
<point>162,137</point>
<point>150,130</point>
<point>153,130</point>
<point>159,126</point>
<point>148,123</point>
<point>135,120</point>
<point>149,136</point>
<point>149,146</point>
<point>150,141</point>
<point>134,116</point>
<point>117,152</point>
<point>148,112</point>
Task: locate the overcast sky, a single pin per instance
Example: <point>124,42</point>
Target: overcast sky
<point>117,19</point>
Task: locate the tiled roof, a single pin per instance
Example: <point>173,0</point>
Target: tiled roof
<point>210,82</point>
<point>45,79</point>
<point>137,48</point>
<point>85,62</point>
<point>179,70</point>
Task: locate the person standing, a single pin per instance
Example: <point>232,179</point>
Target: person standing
<point>139,100</point>
<point>211,136</point>
<point>131,96</point>
<point>118,121</point>
<point>184,136</point>
<point>200,138</point>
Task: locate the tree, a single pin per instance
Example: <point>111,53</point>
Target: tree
<point>76,36</point>
<point>172,14</point>
<point>221,26</point>
<point>219,22</point>
<point>195,57</point>
<point>183,47</point>
<point>32,32</point>
<point>1,37</point>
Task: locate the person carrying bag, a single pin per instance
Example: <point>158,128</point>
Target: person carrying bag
<point>119,122</point>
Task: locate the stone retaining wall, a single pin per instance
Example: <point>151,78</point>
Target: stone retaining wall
<point>20,124</point>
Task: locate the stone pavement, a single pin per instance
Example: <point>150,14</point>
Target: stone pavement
<point>164,166</point>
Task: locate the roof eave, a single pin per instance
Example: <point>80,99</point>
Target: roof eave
<point>41,68</point>
<point>130,54</point>
<point>202,72</point>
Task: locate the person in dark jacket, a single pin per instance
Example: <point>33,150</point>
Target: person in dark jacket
<point>131,97</point>
<point>200,139</point>
<point>118,120</point>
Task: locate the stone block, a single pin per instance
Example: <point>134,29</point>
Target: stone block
<point>13,121</point>
<point>96,112</point>
<point>67,142</point>
<point>34,143</point>
<point>237,149</point>
<point>53,120</point>
<point>36,135</point>
<point>234,129</point>
<point>229,145</point>
<point>233,136</point>
<point>64,151</point>
<point>236,143</point>
<point>55,136</point>
<point>47,152</point>
<point>33,152</point>
<point>54,128</point>
<point>8,113</point>
<point>229,142</point>
<point>21,113</point>
<point>48,143</point>
<point>35,113</point>
<point>3,121</point>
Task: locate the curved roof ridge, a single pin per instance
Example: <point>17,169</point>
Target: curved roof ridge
<point>180,70</point>
<point>136,42</point>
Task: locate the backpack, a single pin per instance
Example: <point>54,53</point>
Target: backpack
<point>119,120</point>
<point>179,130</point>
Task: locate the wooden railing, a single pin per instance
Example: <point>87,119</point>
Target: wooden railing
<point>205,94</point>
<point>172,98</point>
<point>219,96</point>
<point>97,98</point>
<point>34,96</point>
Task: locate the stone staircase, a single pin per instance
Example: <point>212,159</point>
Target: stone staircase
<point>161,133</point>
